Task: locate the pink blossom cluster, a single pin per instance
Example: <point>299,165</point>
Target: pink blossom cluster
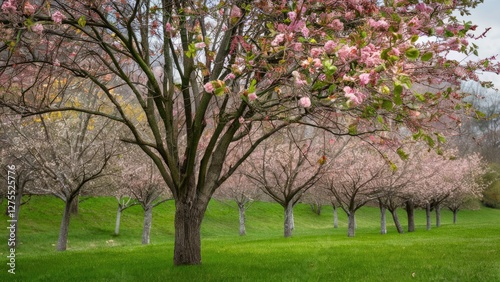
<point>280,38</point>
<point>330,46</point>
<point>378,25</point>
<point>29,9</point>
<point>37,28</point>
<point>200,45</point>
<point>235,12</point>
<point>299,81</point>
<point>370,56</point>
<point>58,17</point>
<point>354,95</point>
<point>209,87</point>
<point>9,6</point>
<point>347,53</point>
<point>305,102</point>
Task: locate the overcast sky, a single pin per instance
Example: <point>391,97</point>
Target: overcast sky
<point>488,15</point>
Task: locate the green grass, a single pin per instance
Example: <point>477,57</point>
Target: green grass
<point>467,251</point>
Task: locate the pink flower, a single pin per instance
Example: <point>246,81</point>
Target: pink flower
<point>292,16</point>
<point>168,27</point>
<point>229,76</point>
<point>9,6</point>
<point>209,87</point>
<point>364,78</point>
<point>29,9</point>
<point>58,17</point>
<point>355,96</point>
<point>305,31</point>
<point>439,30</point>
<point>347,53</point>
<point>337,25</point>
<point>330,47</point>
<point>56,63</point>
<point>252,96</point>
<point>278,40</point>
<point>305,63</point>
<point>235,12</point>
<point>298,79</point>
<point>317,63</point>
<point>316,52</point>
<point>200,45</point>
<point>297,47</point>
<point>379,25</point>
<point>304,102</point>
<point>241,119</point>
<point>37,28</point>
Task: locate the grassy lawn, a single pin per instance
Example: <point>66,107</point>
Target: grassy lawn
<point>467,251</point>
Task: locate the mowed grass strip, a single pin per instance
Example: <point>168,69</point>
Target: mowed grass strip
<point>467,251</point>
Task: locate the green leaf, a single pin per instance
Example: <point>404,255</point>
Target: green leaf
<point>398,89</point>
<point>412,53</point>
<point>353,129</point>
<point>251,89</point>
<point>441,139</point>
<point>420,97</point>
<point>429,140</point>
<point>426,57</point>
<point>384,55</point>
<point>82,21</point>
<point>387,105</point>
<point>414,38</point>
<point>219,91</point>
<point>402,154</point>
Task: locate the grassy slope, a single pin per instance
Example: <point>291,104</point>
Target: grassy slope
<point>468,251</point>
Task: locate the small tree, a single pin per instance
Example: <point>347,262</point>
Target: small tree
<point>352,182</point>
<point>140,179</point>
<point>285,168</point>
<point>243,192</point>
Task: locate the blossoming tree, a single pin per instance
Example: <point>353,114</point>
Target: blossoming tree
<point>216,71</point>
<point>285,167</point>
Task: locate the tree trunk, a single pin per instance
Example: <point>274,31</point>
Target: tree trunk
<point>316,208</point>
<point>74,205</point>
<point>335,217</point>
<point>148,219</point>
<point>410,211</point>
<point>351,225</point>
<point>241,208</point>
<point>438,215</point>
<point>118,220</point>
<point>383,219</point>
<point>63,231</point>
<point>187,246</point>
<point>289,224</point>
<point>455,211</point>
<point>428,215</point>
<point>394,214</point>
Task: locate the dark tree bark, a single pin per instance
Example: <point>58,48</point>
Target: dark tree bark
<point>438,215</point>
<point>316,208</point>
<point>428,216</point>
<point>335,217</point>
<point>187,247</point>
<point>455,212</point>
<point>410,211</point>
<point>63,231</point>
<point>75,206</point>
<point>395,217</point>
